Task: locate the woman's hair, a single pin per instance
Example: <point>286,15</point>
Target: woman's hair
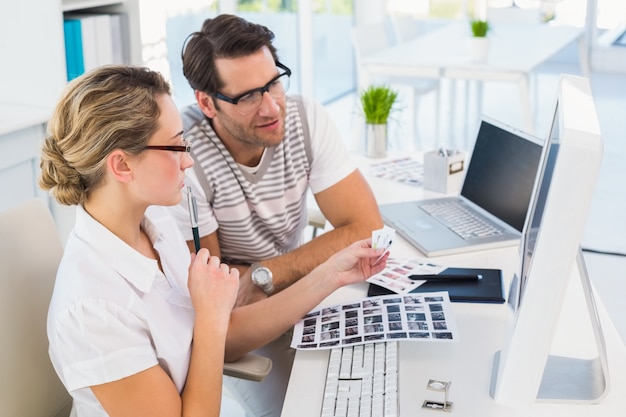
<point>111,107</point>
<point>225,36</point>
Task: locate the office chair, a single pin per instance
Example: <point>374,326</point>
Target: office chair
<point>371,38</point>
<point>30,252</point>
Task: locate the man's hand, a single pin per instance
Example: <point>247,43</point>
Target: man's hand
<point>248,292</point>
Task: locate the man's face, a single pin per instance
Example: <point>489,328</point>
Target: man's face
<point>262,126</point>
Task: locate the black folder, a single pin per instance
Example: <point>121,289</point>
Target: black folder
<point>487,289</point>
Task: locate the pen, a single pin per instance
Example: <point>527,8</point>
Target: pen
<point>193,216</point>
<point>447,277</point>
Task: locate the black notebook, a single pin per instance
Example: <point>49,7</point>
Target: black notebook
<point>487,289</point>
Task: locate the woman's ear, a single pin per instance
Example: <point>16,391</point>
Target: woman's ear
<point>119,166</point>
<point>206,104</point>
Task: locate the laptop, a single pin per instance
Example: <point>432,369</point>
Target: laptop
<point>493,201</point>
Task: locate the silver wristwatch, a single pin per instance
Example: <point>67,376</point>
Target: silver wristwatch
<point>262,278</point>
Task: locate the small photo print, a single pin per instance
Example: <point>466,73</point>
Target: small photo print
<point>433,299</point>
<point>442,335</point>
<point>308,346</point>
<point>330,326</point>
<point>334,334</point>
<point>411,299</point>
<point>419,335</point>
<point>420,325</point>
<point>416,316</point>
<point>440,325</point>
<point>395,325</point>
<point>351,331</point>
<point>372,319</point>
<point>352,340</point>
<point>371,337</point>
<point>309,338</point>
<point>330,310</point>
<point>392,300</point>
<point>310,322</point>
<point>394,317</point>
<point>396,335</point>
<point>435,307</point>
<point>330,318</point>
<point>374,328</point>
<point>393,308</point>
<point>330,344</point>
<point>369,311</point>
<point>437,316</point>
<point>350,314</point>
<point>351,306</point>
<point>351,322</point>
<point>371,303</point>
<point>309,330</point>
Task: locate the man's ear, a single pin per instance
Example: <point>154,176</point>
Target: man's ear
<point>119,166</point>
<point>205,102</point>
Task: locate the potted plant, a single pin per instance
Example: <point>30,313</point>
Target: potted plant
<point>479,42</point>
<point>377,102</point>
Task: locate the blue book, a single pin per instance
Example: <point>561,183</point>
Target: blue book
<point>73,48</point>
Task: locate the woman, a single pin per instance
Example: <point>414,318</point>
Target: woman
<point>129,299</point>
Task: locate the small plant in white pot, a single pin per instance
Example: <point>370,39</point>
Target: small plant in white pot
<point>479,42</point>
<point>377,103</point>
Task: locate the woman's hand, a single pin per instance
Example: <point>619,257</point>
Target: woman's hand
<point>212,285</point>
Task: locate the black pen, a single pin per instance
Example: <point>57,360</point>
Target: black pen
<point>447,277</point>
<point>193,216</point>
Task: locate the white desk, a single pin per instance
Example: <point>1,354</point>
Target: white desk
<point>468,363</point>
<point>514,52</point>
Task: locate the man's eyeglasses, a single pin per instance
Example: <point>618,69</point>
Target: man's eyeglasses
<point>250,100</point>
<point>186,147</point>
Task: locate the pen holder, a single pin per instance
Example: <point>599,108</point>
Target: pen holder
<point>443,171</point>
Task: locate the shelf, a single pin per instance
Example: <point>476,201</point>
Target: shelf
<point>71,5</point>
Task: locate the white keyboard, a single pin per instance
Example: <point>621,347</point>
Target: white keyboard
<point>362,381</point>
<point>461,220</point>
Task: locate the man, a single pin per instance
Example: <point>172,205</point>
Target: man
<point>257,153</point>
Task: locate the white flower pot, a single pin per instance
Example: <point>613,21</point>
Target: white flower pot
<point>376,140</point>
<point>478,49</point>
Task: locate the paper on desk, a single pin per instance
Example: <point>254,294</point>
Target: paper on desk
<point>424,317</point>
<point>406,170</point>
<point>395,276</point>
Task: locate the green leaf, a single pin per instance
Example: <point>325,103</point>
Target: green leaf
<point>377,103</point>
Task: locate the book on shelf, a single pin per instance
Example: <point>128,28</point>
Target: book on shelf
<point>95,39</point>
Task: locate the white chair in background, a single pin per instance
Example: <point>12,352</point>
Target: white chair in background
<point>372,38</point>
<point>405,26</point>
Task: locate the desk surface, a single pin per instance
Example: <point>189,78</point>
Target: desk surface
<point>513,48</point>
<point>468,363</point>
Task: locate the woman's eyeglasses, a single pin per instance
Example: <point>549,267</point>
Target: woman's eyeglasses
<point>186,147</point>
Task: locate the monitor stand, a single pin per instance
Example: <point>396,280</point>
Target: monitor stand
<point>573,380</point>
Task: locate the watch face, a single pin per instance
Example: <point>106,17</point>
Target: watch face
<point>261,275</point>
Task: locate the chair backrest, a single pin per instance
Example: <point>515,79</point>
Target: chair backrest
<point>513,15</point>
<point>30,252</point>
<point>405,27</point>
<point>366,40</point>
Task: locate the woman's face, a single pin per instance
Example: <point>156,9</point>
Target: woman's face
<point>161,173</point>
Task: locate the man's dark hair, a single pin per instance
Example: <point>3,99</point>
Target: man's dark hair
<point>225,36</point>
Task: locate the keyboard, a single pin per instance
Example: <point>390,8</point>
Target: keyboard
<point>362,381</point>
<point>461,220</point>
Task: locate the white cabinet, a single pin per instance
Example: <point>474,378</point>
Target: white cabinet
<point>22,129</point>
<point>32,77</point>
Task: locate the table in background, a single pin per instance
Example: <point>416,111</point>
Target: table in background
<point>515,51</point>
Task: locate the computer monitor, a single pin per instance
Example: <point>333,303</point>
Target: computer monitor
<point>523,370</point>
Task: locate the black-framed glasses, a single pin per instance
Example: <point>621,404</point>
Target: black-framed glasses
<point>250,100</point>
<point>174,148</point>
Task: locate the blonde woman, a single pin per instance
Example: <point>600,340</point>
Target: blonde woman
<point>137,325</point>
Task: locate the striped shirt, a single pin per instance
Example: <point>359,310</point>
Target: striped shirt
<point>261,212</point>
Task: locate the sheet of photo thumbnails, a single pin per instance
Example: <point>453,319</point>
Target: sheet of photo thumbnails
<point>422,317</point>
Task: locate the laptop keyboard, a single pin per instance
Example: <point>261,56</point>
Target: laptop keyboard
<point>362,381</point>
<point>461,220</point>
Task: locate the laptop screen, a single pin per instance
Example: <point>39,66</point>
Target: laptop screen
<point>501,172</point>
